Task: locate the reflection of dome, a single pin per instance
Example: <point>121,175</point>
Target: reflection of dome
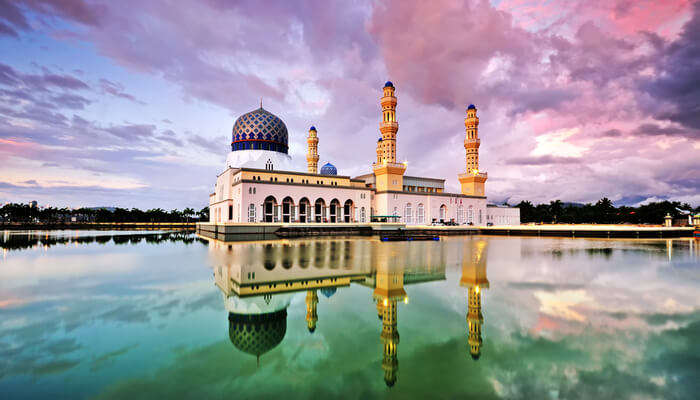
<point>259,130</point>
<point>328,292</point>
<point>329,169</point>
<point>257,334</point>
<point>471,107</point>
<point>476,356</point>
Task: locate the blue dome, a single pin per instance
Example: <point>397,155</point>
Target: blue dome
<point>328,292</point>
<point>313,128</point>
<point>379,140</point>
<point>329,169</point>
<point>259,130</point>
<point>388,84</point>
<point>471,107</point>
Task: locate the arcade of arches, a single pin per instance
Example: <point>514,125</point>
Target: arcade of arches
<point>305,211</point>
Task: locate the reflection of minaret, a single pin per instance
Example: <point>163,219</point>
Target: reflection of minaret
<point>311,315</point>
<point>474,278</point>
<point>390,341</point>
<point>387,293</point>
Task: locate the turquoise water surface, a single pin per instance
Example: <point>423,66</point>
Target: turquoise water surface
<point>91,314</point>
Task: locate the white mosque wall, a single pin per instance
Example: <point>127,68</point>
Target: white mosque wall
<point>422,209</point>
<point>500,215</point>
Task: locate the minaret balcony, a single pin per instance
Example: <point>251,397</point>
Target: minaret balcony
<point>389,124</point>
<point>472,173</point>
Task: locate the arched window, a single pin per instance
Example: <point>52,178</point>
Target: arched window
<point>251,213</point>
<point>460,214</point>
<point>407,210</point>
<point>362,214</point>
<point>443,213</point>
<point>420,215</point>
<point>470,215</point>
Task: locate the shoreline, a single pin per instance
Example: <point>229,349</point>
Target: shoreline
<point>288,230</point>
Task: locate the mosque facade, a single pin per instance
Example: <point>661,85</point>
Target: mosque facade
<point>259,183</point>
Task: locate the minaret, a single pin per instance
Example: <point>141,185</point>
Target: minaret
<point>311,314</point>
<point>312,154</point>
<point>472,180</point>
<point>474,278</point>
<point>388,173</point>
<point>389,127</point>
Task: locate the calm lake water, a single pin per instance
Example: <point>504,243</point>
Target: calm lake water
<point>172,315</point>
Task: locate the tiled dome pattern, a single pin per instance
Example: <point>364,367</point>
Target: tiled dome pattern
<point>259,130</point>
<point>257,334</point>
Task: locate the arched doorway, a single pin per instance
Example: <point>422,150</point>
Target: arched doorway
<point>443,213</point>
<point>287,209</point>
<point>334,210</point>
<point>320,210</point>
<point>270,209</point>
<point>348,211</point>
<point>304,210</point>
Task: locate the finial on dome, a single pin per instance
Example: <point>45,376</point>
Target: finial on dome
<point>260,101</point>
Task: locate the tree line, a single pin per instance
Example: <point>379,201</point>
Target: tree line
<point>25,213</point>
<point>602,212</point>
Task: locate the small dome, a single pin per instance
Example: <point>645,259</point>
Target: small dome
<point>329,169</point>
<point>259,130</point>
<point>313,128</point>
<point>388,84</point>
<point>471,107</point>
<point>379,140</point>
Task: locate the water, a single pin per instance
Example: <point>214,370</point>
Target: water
<point>158,315</point>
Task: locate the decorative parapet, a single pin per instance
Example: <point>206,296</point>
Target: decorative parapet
<point>478,174</point>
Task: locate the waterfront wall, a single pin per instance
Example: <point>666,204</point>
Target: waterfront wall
<point>232,231</point>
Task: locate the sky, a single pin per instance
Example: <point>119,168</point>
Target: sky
<point>131,103</point>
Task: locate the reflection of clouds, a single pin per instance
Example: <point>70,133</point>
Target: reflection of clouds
<point>53,301</point>
<point>560,303</point>
<point>109,357</point>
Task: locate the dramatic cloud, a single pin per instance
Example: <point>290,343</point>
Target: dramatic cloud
<point>606,91</point>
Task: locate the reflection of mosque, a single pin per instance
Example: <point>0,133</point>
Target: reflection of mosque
<point>258,280</point>
<point>474,278</point>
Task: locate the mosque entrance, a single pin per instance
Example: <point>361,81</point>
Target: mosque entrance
<point>334,210</point>
<point>304,210</point>
<point>320,210</point>
<point>348,211</point>
<point>287,209</point>
<point>270,209</point>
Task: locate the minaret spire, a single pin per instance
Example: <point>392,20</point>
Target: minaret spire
<point>388,173</point>
<point>473,181</point>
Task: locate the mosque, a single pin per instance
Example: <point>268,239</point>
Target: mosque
<point>258,280</point>
<point>259,183</point>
